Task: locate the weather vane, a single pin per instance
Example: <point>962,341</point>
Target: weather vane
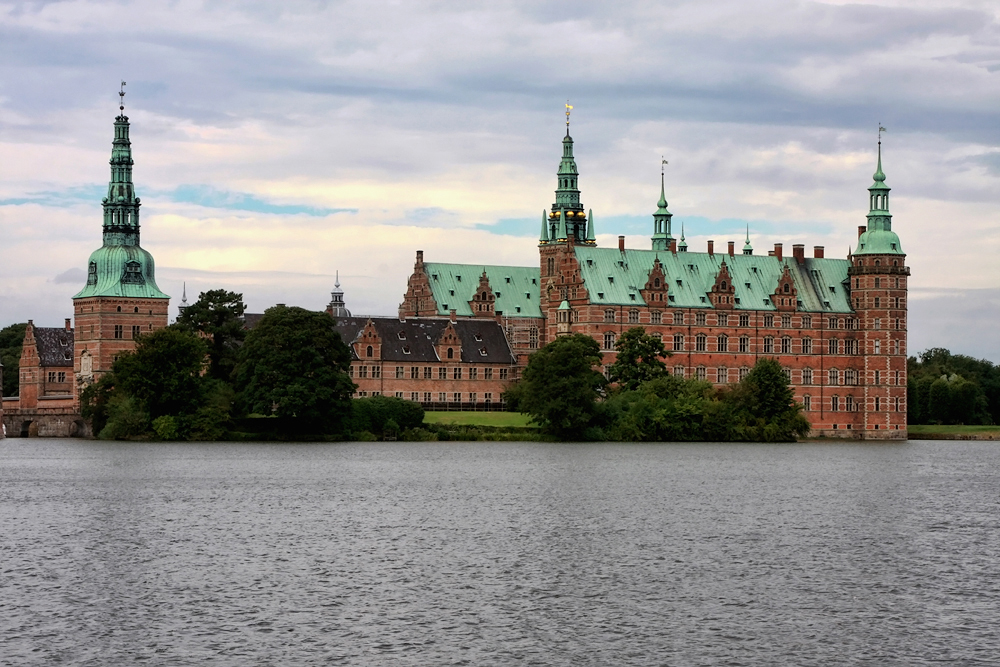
<point>121,98</point>
<point>662,162</point>
<point>880,131</point>
<point>569,108</point>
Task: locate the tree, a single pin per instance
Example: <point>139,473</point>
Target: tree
<point>294,365</point>
<point>638,360</point>
<point>11,342</point>
<point>560,386</point>
<point>164,373</point>
<point>219,315</point>
<point>762,407</point>
<point>378,414</point>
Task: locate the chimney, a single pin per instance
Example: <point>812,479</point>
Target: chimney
<point>732,248</point>
<point>68,327</point>
<point>818,251</point>
<point>777,251</point>
<point>799,253</point>
<point>673,246</point>
<point>711,247</point>
<point>420,258</point>
<point>453,316</point>
<point>861,230</point>
<point>621,243</point>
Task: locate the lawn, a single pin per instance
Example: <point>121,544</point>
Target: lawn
<point>515,419</point>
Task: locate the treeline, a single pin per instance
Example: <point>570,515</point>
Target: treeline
<point>946,388</point>
<point>11,342</point>
<point>570,399</point>
<point>207,378</point>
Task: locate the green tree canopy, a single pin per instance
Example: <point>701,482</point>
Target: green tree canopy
<point>293,364</point>
<point>164,372</point>
<point>219,315</point>
<point>560,386</point>
<point>946,388</point>
<point>11,342</point>
<point>639,359</point>
<point>760,408</point>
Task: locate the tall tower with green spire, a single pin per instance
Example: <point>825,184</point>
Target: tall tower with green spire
<point>120,300</point>
<point>661,220</point>
<point>567,207</point>
<point>877,279</point>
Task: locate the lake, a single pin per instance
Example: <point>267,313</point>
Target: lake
<point>499,553</point>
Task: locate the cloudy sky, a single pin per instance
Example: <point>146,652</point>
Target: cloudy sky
<point>277,143</point>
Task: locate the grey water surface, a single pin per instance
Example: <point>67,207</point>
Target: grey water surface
<point>499,554</point>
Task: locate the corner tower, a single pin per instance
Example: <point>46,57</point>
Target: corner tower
<point>878,275</point>
<point>120,300</point>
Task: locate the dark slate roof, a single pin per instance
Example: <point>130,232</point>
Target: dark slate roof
<point>55,346</point>
<point>250,320</point>
<point>413,340</point>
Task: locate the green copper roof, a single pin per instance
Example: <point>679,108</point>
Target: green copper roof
<point>121,267</point>
<point>613,277</point>
<point>879,239</point>
<point>661,222</point>
<point>516,287</point>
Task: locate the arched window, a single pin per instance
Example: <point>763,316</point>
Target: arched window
<point>451,353</point>
<point>786,345</point>
<point>878,263</point>
<point>768,345</point>
<point>723,343</point>
<point>119,309</point>
<point>136,309</point>
<point>700,342</point>
<point>786,289</point>
<point>370,351</point>
<point>656,282</point>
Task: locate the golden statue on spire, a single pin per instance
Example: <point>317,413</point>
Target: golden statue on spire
<point>569,108</point>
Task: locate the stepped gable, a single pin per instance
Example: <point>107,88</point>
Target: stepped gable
<point>55,346</point>
<point>415,340</point>
<point>723,290</point>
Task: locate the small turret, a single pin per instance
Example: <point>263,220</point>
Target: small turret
<point>661,220</point>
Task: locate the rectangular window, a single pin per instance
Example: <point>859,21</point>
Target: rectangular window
<point>768,345</point>
<point>807,403</point>
<point>786,345</point>
<point>700,342</point>
<point>654,317</point>
<point>699,319</point>
<point>807,321</point>
<point>52,376</point>
<point>878,403</point>
<point>609,315</point>
<point>427,397</point>
<point>722,344</point>
<point>878,377</point>
<point>850,376</point>
<point>119,331</point>
<point>678,318</point>
<point>609,341</point>
<point>807,346</point>
<point>786,321</point>
<point>807,376</point>
<point>487,373</point>
<point>488,397</point>
<point>832,324</point>
<point>744,343</point>
<point>788,375</point>
<point>832,379</point>
<point>701,373</point>
<point>722,375</point>
<point>678,342</point>
<point>428,372</point>
<point>473,373</point>
<point>362,394</point>
<point>362,371</point>
<point>442,397</point>
<point>633,317</point>
<point>503,373</point>
<point>415,396</point>
<point>414,373</point>
<point>400,372</point>
<point>456,373</point>
<point>136,330</point>
<point>723,320</point>
<point>832,346</point>
<point>533,337</point>
<point>878,302</point>
<point>848,404</point>
<point>457,397</point>
<point>399,394</point>
<point>442,373</point>
<point>743,373</point>
<point>679,371</point>
<point>768,321</point>
<point>376,371</point>
<point>744,320</point>
<point>834,403</point>
<point>472,397</point>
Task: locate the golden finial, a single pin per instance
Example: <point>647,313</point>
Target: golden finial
<point>569,108</point>
<point>121,98</point>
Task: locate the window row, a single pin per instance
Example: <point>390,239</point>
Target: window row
<point>436,396</point>
<point>851,404</point>
<point>771,345</point>
<point>431,373</point>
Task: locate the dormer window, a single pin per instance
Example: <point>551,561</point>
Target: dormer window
<point>482,351</point>
<point>508,280</point>
<point>611,279</point>
<point>406,349</point>
<point>132,274</point>
<point>451,292</point>
<point>534,281</point>
<point>680,283</point>
<point>401,335</point>
<point>458,278</point>
<point>92,273</point>
<point>600,295</point>
<point>434,276</point>
<point>479,339</point>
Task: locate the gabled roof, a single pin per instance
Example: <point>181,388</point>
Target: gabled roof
<point>516,288</point>
<point>55,346</point>
<point>614,278</point>
<point>413,340</point>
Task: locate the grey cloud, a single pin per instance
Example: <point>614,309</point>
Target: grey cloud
<point>75,276</point>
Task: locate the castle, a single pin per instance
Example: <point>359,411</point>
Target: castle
<point>464,332</point>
